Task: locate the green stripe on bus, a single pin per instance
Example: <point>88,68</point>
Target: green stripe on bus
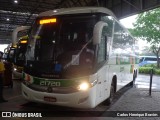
<point>62,83</point>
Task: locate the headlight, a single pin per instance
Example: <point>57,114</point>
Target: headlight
<point>83,86</point>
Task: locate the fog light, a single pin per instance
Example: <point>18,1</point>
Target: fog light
<point>83,86</point>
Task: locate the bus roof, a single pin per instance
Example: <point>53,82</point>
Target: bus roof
<point>76,10</point>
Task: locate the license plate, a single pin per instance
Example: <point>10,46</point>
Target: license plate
<point>50,99</point>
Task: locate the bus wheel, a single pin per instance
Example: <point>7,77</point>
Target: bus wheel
<point>112,91</point>
<point>133,82</point>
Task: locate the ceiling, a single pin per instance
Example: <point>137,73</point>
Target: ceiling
<point>24,12</point>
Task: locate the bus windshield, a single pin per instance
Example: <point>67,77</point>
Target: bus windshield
<point>61,45</point>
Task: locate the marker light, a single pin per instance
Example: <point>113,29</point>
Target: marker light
<point>45,21</point>
<point>83,86</point>
<point>23,41</point>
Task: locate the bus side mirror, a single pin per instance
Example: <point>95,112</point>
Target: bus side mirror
<point>97,32</point>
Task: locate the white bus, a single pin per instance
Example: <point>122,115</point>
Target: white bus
<point>78,57</point>
<point>19,40</point>
<point>19,57</point>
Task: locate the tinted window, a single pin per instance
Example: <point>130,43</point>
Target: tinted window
<point>150,59</point>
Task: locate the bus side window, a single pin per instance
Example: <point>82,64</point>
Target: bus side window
<point>141,60</point>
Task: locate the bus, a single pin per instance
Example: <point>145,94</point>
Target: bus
<point>19,57</point>
<point>19,39</point>
<point>78,57</point>
<point>146,60</point>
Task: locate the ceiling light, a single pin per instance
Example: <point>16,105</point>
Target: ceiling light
<point>7,19</point>
<point>16,1</point>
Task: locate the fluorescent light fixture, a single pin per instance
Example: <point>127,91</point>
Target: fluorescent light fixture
<point>16,1</point>
<point>7,19</point>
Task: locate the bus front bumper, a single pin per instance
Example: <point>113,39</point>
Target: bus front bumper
<point>81,99</point>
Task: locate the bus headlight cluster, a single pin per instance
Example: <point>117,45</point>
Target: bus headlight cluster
<point>84,86</point>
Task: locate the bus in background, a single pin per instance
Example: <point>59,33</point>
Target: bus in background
<point>78,57</point>
<point>18,33</point>
<point>146,60</point>
<point>19,56</point>
<point>19,39</point>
